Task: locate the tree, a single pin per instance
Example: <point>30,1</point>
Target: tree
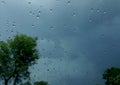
<point>36,83</point>
<point>112,76</point>
<point>16,55</point>
<point>40,83</point>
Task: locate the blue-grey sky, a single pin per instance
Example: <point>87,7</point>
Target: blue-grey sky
<point>78,39</point>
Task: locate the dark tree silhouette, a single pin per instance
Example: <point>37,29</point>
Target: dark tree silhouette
<point>16,55</point>
<point>40,83</point>
<point>112,76</point>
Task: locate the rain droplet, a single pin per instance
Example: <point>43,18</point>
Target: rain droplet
<point>30,12</point>
<point>11,30</point>
<point>48,70</point>
<point>53,68</point>
<point>74,14</point>
<point>104,12</point>
<point>33,25</point>
<point>51,27</point>
<point>29,2</point>
<point>98,10</point>
<point>90,20</point>
<point>51,10</point>
<point>39,12</point>
<point>38,16</point>
<point>3,2</point>
<point>13,25</point>
<point>68,2</point>
<point>91,9</point>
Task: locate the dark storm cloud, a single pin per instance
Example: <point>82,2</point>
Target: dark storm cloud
<point>77,39</point>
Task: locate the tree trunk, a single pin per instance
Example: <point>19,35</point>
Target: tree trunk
<point>16,79</point>
<point>6,82</point>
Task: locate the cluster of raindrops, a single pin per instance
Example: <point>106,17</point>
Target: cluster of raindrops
<point>99,11</point>
<point>35,14</point>
<point>96,12</point>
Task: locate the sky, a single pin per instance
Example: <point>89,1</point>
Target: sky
<point>77,39</point>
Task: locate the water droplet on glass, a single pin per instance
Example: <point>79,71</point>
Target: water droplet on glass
<point>30,12</point>
<point>48,70</point>
<point>74,14</point>
<point>90,20</point>
<point>98,10</point>
<point>91,9</point>
<point>53,68</point>
<point>38,16</point>
<point>51,10</point>
<point>3,2</point>
<point>39,12</point>
<point>68,2</point>
<point>51,27</point>
<point>33,25</point>
<point>13,25</point>
<point>29,2</point>
<point>11,30</point>
<point>104,12</point>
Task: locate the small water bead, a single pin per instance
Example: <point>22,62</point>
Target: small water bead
<point>104,12</point>
<point>39,12</point>
<point>3,2</point>
<point>30,12</point>
<point>38,16</point>
<point>29,2</point>
<point>98,10</point>
<point>33,25</point>
<point>90,20</point>
<point>68,2</point>
<point>48,70</point>
<point>74,14</point>
<point>51,10</point>
<point>13,25</point>
<point>92,10</point>
<point>51,27</point>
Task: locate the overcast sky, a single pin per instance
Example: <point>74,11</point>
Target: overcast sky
<point>78,39</point>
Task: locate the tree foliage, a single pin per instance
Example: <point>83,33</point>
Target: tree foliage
<point>16,55</point>
<point>112,76</point>
<point>40,83</point>
<point>36,83</point>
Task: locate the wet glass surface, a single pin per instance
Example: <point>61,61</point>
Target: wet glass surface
<point>78,39</point>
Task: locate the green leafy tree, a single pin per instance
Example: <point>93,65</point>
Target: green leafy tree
<point>112,76</point>
<point>40,83</point>
<point>16,55</point>
<point>36,83</point>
